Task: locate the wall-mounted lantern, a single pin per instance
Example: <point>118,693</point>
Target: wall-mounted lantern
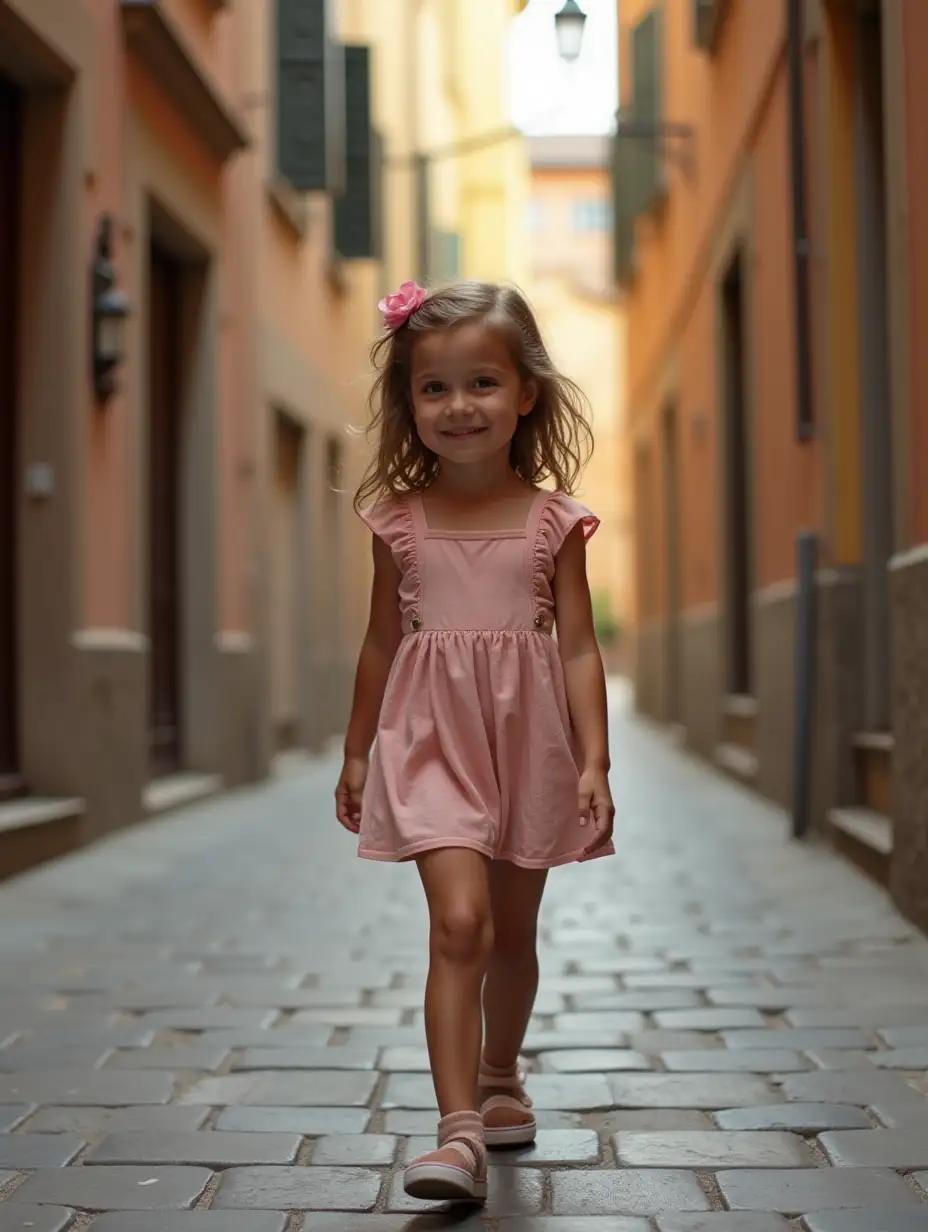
<point>110,313</point>
<point>569,24</point>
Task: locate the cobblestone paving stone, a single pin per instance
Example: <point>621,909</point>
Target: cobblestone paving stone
<point>198,1035</point>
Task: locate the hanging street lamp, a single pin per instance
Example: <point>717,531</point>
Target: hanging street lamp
<point>569,25</point>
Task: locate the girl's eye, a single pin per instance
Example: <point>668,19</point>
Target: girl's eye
<point>432,388</point>
<point>484,382</point>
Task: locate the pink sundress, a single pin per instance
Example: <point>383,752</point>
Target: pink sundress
<point>474,746</point>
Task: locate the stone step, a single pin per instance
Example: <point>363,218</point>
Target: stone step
<point>865,837</point>
<point>174,791</point>
<point>873,769</point>
<point>737,761</point>
<point>739,720</point>
<point>34,829</point>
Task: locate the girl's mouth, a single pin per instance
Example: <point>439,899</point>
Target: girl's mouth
<point>461,433</point>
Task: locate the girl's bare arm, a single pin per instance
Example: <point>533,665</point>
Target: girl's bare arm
<point>384,633</point>
<point>579,651</point>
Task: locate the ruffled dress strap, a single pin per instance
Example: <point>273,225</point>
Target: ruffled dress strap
<point>559,516</point>
<point>554,518</point>
<point>389,518</point>
<point>392,520</point>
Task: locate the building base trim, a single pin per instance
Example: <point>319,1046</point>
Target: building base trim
<point>702,694</point>
<point>909,599</point>
<point>110,639</point>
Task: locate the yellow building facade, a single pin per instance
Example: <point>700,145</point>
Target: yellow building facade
<point>570,284</point>
<point>440,104</point>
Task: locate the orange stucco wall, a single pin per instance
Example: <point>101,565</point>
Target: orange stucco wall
<point>736,190</point>
<point>721,103</point>
<point>785,472</point>
<point>700,444</point>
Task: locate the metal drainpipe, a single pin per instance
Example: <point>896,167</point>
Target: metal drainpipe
<point>806,541</point>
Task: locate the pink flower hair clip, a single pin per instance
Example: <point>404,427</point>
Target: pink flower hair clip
<point>399,307</point>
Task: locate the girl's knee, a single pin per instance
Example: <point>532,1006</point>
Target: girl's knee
<point>517,946</point>
<point>463,932</point>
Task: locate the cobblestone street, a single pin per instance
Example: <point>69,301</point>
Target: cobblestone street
<point>213,1023</point>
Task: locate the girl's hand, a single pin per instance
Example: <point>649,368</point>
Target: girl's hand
<point>349,791</point>
<point>596,807</point>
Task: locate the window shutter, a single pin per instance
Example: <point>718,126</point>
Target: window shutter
<point>646,62</point>
<point>707,20</point>
<point>702,22</point>
<point>310,97</point>
<point>623,210</point>
<point>356,211</point>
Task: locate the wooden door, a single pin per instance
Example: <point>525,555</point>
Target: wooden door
<point>10,190</point>
<point>286,575</point>
<point>738,518</point>
<point>164,513</point>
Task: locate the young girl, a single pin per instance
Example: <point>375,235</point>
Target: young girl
<point>491,760</point>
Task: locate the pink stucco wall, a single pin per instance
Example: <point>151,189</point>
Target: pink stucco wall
<point>124,96</point>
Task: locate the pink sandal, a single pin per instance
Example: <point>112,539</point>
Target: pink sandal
<point>507,1119</point>
<point>457,1170</point>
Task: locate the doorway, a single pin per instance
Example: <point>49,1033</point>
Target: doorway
<point>740,673</point>
<point>288,569</point>
<point>648,681</point>
<point>671,469</point>
<point>876,416</point>
<point>10,195</point>
<point>164,496</point>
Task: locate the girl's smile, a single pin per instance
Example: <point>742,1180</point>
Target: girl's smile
<point>467,393</point>
<point>458,434</point>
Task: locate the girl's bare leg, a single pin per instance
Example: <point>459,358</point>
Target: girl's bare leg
<point>457,888</point>
<point>508,998</point>
<point>512,974</point>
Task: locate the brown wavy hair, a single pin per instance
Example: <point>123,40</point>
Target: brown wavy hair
<point>553,441</point>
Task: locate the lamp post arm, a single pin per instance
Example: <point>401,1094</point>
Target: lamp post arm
<point>455,149</point>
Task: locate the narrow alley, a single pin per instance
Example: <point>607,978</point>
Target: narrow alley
<point>213,1022</point>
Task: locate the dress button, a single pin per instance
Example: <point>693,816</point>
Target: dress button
<point>540,620</point>
<point>415,622</point>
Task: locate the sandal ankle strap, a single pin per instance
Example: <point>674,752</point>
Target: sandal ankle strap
<point>487,1078</point>
<point>465,1128</point>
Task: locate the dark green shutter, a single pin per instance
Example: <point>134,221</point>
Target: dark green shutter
<point>357,210</point>
<point>702,22</point>
<point>310,97</point>
<point>646,67</point>
<point>623,210</point>
<point>708,16</point>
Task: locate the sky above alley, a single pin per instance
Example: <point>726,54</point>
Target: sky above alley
<point>548,96</point>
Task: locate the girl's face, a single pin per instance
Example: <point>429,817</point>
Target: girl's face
<point>467,394</point>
